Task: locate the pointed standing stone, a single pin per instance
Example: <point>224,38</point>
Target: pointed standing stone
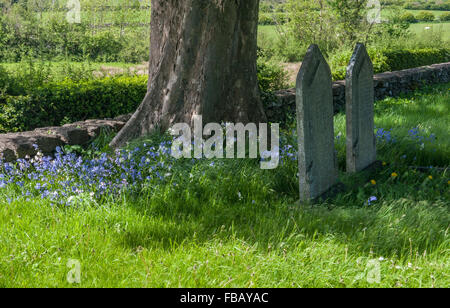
<point>314,97</point>
<point>361,142</point>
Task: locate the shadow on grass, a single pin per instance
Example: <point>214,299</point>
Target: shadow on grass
<point>396,227</point>
<point>409,217</point>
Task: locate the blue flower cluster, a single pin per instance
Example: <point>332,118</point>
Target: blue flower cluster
<point>415,135</point>
<point>65,176</point>
<point>385,135</point>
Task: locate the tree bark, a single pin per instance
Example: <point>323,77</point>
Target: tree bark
<point>202,62</point>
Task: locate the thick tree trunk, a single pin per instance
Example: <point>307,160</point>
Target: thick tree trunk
<point>202,62</point>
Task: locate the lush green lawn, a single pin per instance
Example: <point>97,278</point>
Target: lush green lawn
<point>104,17</point>
<point>436,13</point>
<point>233,225</point>
<point>420,29</point>
<point>268,32</point>
<point>59,67</point>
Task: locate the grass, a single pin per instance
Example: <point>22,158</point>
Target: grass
<point>269,32</point>
<point>59,67</point>
<point>234,225</point>
<point>435,12</point>
<point>420,31</point>
<point>106,17</point>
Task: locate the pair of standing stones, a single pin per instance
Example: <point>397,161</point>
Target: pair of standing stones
<point>314,96</point>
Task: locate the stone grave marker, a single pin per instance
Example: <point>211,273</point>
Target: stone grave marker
<point>361,142</point>
<point>318,170</point>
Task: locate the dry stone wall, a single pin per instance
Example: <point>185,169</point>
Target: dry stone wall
<point>20,145</point>
<point>46,139</point>
<point>385,84</point>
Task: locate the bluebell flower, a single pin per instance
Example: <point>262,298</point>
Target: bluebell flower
<point>372,200</point>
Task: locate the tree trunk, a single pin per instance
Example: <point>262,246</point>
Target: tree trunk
<point>202,62</point>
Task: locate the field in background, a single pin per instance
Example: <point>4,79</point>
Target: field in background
<point>420,29</point>
<point>436,13</point>
<point>270,32</point>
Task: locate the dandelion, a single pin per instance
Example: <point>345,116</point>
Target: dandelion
<point>394,174</point>
<point>373,182</point>
<point>430,177</point>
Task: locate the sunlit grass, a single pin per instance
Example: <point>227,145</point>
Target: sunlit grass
<point>234,225</point>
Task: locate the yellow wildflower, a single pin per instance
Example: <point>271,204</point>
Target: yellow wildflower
<point>394,174</point>
<point>373,182</point>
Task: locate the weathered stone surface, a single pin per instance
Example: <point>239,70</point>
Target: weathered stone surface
<point>314,96</point>
<point>94,127</point>
<point>70,134</point>
<point>123,118</point>
<point>361,143</point>
<point>385,84</point>
<point>20,145</point>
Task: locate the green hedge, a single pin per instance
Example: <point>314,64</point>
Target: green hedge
<point>415,5</point>
<point>445,16</point>
<point>65,102</point>
<point>58,103</point>
<point>425,16</point>
<point>391,60</point>
<point>408,18</point>
<point>272,18</point>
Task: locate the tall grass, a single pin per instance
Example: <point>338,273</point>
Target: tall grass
<point>227,223</point>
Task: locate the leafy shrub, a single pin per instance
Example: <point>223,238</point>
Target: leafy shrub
<point>57,103</point>
<point>272,18</point>
<point>428,5</point>
<point>27,101</point>
<point>339,62</point>
<point>4,80</point>
<point>408,18</point>
<point>445,16</point>
<point>391,60</point>
<point>288,48</point>
<point>23,34</point>
<point>404,59</point>
<point>103,47</point>
<point>425,16</point>
<point>31,74</point>
<point>271,75</point>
